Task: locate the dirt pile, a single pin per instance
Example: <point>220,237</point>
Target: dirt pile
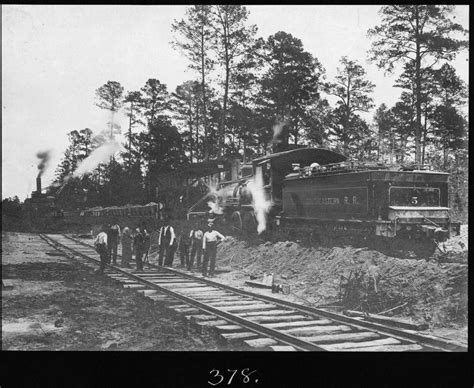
<point>427,291</point>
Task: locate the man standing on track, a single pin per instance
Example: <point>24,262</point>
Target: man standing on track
<point>196,246</point>
<point>100,244</point>
<point>184,248</point>
<point>146,245</point>
<point>166,243</point>
<point>209,244</point>
<point>138,247</point>
<point>113,237</point>
<point>126,247</point>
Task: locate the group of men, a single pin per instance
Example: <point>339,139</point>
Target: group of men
<point>193,245</point>
<point>137,242</point>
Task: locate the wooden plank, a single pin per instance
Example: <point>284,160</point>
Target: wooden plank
<point>148,292</point>
<point>248,308</point>
<point>232,303</point>
<point>269,312</point>
<point>202,317</point>
<point>239,336</point>
<point>261,342</point>
<point>296,324</point>
<point>186,289</point>
<point>201,295</point>
<point>207,326</point>
<point>220,299</point>
<point>188,310</point>
<point>229,328</point>
<point>392,321</point>
<point>134,286</point>
<point>359,336</point>
<point>308,331</point>
<point>278,318</point>
<point>283,348</point>
<point>349,345</point>
<point>172,285</point>
<point>388,348</point>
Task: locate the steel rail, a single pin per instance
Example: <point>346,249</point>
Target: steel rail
<point>255,327</point>
<point>430,342</point>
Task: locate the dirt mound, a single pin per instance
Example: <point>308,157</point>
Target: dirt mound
<point>427,291</point>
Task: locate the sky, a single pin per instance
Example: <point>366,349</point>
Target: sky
<point>54,57</point>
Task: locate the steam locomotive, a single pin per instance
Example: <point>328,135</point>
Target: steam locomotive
<point>322,193</point>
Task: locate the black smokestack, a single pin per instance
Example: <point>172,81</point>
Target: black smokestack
<point>44,157</point>
<point>38,183</point>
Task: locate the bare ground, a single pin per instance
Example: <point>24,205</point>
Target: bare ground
<point>429,291</point>
<point>58,304</point>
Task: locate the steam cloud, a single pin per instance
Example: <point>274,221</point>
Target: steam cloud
<point>260,203</point>
<point>44,157</point>
<point>218,197</point>
<point>99,155</point>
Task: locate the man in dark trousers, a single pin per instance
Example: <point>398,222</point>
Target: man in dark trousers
<point>183,246</point>
<point>166,242</point>
<point>196,246</point>
<point>113,237</point>
<point>146,244</point>
<point>100,244</point>
<point>138,247</point>
<point>209,245</point>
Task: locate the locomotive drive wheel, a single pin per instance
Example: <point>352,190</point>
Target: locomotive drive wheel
<point>249,223</point>
<point>236,221</point>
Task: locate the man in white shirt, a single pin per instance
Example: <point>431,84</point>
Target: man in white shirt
<point>100,244</point>
<point>209,245</point>
<point>196,247</point>
<point>165,242</point>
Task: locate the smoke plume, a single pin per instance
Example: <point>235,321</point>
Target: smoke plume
<point>261,204</point>
<point>278,130</point>
<point>99,155</point>
<point>44,157</point>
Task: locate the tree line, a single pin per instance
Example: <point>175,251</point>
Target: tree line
<point>244,86</point>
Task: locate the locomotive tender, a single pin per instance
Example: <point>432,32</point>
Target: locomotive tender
<point>320,191</point>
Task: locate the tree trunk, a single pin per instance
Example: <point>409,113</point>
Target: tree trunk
<point>130,136</point>
<point>418,90</point>
<point>224,110</point>
<point>380,144</point>
<point>424,137</point>
<point>221,136</point>
<point>203,87</point>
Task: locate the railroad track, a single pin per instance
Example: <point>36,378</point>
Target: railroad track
<point>259,321</point>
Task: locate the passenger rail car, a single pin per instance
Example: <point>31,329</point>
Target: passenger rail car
<point>149,210</point>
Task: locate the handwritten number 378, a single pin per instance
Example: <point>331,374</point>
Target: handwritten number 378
<point>245,375</point>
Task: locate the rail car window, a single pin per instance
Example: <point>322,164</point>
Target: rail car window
<point>408,196</point>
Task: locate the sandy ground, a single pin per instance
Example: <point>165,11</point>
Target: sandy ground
<point>57,304</point>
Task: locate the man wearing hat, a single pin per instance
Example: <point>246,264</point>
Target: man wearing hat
<point>209,245</point>
<point>196,246</point>
<point>166,243</point>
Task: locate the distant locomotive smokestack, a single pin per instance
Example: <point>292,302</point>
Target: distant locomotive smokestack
<point>38,183</point>
<point>44,157</point>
